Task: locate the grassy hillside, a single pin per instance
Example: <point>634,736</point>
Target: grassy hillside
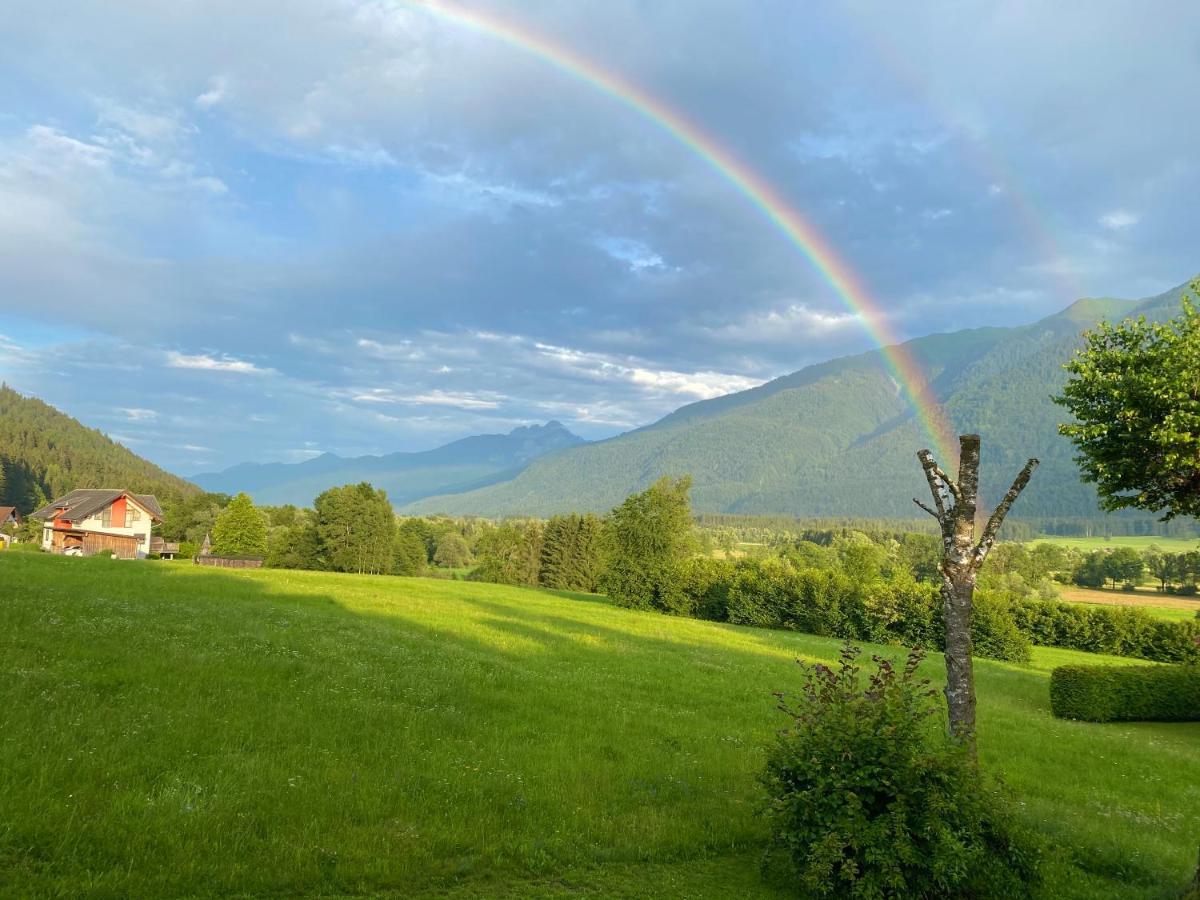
<point>839,439</point>
<point>461,465</point>
<point>172,731</point>
<point>44,453</point>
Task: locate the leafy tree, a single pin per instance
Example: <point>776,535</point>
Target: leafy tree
<point>1124,564</point>
<point>1091,570</point>
<point>356,528</point>
<point>241,530</point>
<point>452,551</point>
<point>1134,390</point>
<point>648,542</point>
<point>510,553</point>
<point>190,518</point>
<point>295,546</point>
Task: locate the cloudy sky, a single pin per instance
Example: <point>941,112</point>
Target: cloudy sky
<point>236,230</point>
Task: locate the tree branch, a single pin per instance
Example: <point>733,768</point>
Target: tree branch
<point>952,486</point>
<point>924,507</point>
<point>931,470</point>
<point>997,517</point>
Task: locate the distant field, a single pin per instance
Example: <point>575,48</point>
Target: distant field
<point>171,731</point>
<point>1163,606</point>
<point>1174,545</point>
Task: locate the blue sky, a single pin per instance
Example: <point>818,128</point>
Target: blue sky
<point>257,231</point>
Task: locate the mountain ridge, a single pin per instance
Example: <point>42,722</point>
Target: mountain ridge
<point>835,438</point>
<point>44,453</point>
<point>465,464</point>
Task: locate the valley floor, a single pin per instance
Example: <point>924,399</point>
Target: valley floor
<point>171,731</point>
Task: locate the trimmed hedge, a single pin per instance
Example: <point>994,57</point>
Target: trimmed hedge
<point>1126,693</point>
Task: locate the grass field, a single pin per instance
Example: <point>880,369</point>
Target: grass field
<point>170,731</point>
<point>1170,545</point>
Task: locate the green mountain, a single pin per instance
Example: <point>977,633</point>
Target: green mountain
<point>45,453</point>
<point>465,464</point>
<point>839,438</point>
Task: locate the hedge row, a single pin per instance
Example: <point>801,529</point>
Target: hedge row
<point>1117,630</point>
<point>771,593</point>
<point>1126,693</point>
<point>900,610</point>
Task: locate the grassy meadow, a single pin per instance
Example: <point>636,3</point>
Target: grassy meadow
<point>1137,542</point>
<point>172,731</point>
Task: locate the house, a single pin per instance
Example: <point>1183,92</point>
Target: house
<point>85,522</point>
<point>9,516</point>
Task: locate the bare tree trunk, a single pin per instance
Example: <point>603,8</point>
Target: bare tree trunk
<point>956,503</point>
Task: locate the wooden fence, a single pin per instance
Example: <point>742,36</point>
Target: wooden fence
<point>228,562</point>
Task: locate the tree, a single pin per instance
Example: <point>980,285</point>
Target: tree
<point>1125,565</point>
<point>955,505</point>
<point>408,552</point>
<point>452,551</point>
<point>510,553</point>
<point>1134,391</point>
<point>648,541</point>
<point>1162,566</point>
<point>571,553</point>
<point>356,528</point>
<point>294,546</point>
<point>241,530</point>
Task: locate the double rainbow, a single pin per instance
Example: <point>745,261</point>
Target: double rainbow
<point>802,234</point>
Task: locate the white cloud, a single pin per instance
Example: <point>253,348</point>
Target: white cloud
<point>48,139</point>
<point>206,363</point>
<point>600,367</point>
<point>790,323</point>
<point>136,414</point>
<point>1119,219</point>
<point>218,88</point>
<point>456,399</point>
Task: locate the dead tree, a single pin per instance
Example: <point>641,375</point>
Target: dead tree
<point>954,506</point>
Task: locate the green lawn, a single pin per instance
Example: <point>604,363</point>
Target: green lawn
<point>170,731</point>
<point>1168,544</point>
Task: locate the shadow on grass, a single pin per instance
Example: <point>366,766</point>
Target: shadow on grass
<point>290,634</point>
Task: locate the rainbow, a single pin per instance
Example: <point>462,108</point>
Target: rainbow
<point>766,199</point>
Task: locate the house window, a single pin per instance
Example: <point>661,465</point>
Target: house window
<point>106,517</point>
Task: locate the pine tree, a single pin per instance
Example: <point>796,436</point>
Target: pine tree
<point>241,530</point>
<point>571,557</point>
<point>409,552</point>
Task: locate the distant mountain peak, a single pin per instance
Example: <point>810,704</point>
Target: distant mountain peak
<point>464,464</point>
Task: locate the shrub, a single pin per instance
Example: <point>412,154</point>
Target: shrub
<point>1126,693</point>
<point>994,634</point>
<point>868,796</point>
<point>706,585</point>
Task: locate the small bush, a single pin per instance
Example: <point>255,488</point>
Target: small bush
<point>870,797</point>
<point>1126,693</point>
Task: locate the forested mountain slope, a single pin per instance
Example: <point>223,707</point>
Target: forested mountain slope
<point>839,439</point>
<point>458,466</point>
<point>44,453</point>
